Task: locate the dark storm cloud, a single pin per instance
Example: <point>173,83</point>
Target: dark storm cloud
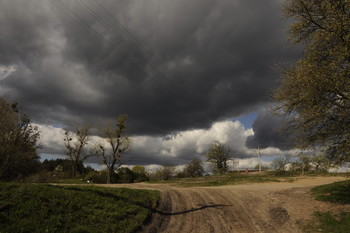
<point>22,36</point>
<point>269,132</point>
<point>170,65</point>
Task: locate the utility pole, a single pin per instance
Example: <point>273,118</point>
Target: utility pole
<point>259,158</point>
<point>238,164</point>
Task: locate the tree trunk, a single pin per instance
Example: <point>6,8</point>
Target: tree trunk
<point>73,170</point>
<point>109,175</point>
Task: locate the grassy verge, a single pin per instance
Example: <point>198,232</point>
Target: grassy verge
<point>338,193</point>
<point>230,179</point>
<point>45,208</point>
<point>242,178</point>
<point>69,181</point>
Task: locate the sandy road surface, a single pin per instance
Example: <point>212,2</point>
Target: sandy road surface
<point>265,207</point>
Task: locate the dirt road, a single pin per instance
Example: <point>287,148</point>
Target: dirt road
<point>264,207</point>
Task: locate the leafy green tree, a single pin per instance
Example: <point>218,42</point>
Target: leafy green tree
<point>18,143</point>
<point>118,143</point>
<point>315,91</point>
<point>218,156</point>
<point>140,173</point>
<point>194,168</point>
<point>139,169</point>
<point>75,143</point>
<point>62,168</point>
<point>125,175</point>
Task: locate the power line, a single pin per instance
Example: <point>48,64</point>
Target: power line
<point>157,66</point>
<point>78,18</point>
<point>125,37</point>
<point>99,19</point>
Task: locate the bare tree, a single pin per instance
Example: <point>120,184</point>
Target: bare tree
<point>165,172</point>
<point>75,143</point>
<point>279,164</point>
<point>305,163</point>
<point>320,163</point>
<point>118,144</point>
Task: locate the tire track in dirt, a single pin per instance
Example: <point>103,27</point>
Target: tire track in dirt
<point>260,208</point>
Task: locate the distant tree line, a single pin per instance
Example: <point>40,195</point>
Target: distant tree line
<point>303,164</point>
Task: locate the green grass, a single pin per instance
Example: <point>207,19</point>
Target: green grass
<point>70,181</point>
<point>229,179</point>
<point>46,208</point>
<point>241,178</point>
<point>333,223</point>
<point>338,193</point>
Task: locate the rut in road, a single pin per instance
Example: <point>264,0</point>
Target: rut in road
<point>274,207</point>
<point>210,210</point>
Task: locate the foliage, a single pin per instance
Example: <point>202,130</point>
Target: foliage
<point>164,173</point>
<point>18,143</point>
<point>61,168</point>
<point>139,169</point>
<point>125,175</point>
<point>118,142</point>
<point>122,175</point>
<point>75,143</point>
<point>45,208</point>
<point>194,168</point>
<point>279,164</point>
<point>100,177</point>
<point>218,156</point>
<point>315,91</point>
<point>315,163</point>
<point>320,163</point>
<point>140,173</point>
<point>304,163</point>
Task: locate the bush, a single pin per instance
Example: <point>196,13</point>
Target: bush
<point>140,177</point>
<point>125,175</point>
<point>164,173</point>
<point>100,177</point>
<point>42,177</point>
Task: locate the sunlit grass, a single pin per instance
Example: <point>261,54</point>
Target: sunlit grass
<point>45,208</point>
<point>338,193</point>
<point>241,178</point>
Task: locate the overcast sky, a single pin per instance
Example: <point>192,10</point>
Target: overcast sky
<point>186,72</point>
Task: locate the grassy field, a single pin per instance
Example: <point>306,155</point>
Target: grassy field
<point>46,208</point>
<point>338,193</point>
<point>240,178</point>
